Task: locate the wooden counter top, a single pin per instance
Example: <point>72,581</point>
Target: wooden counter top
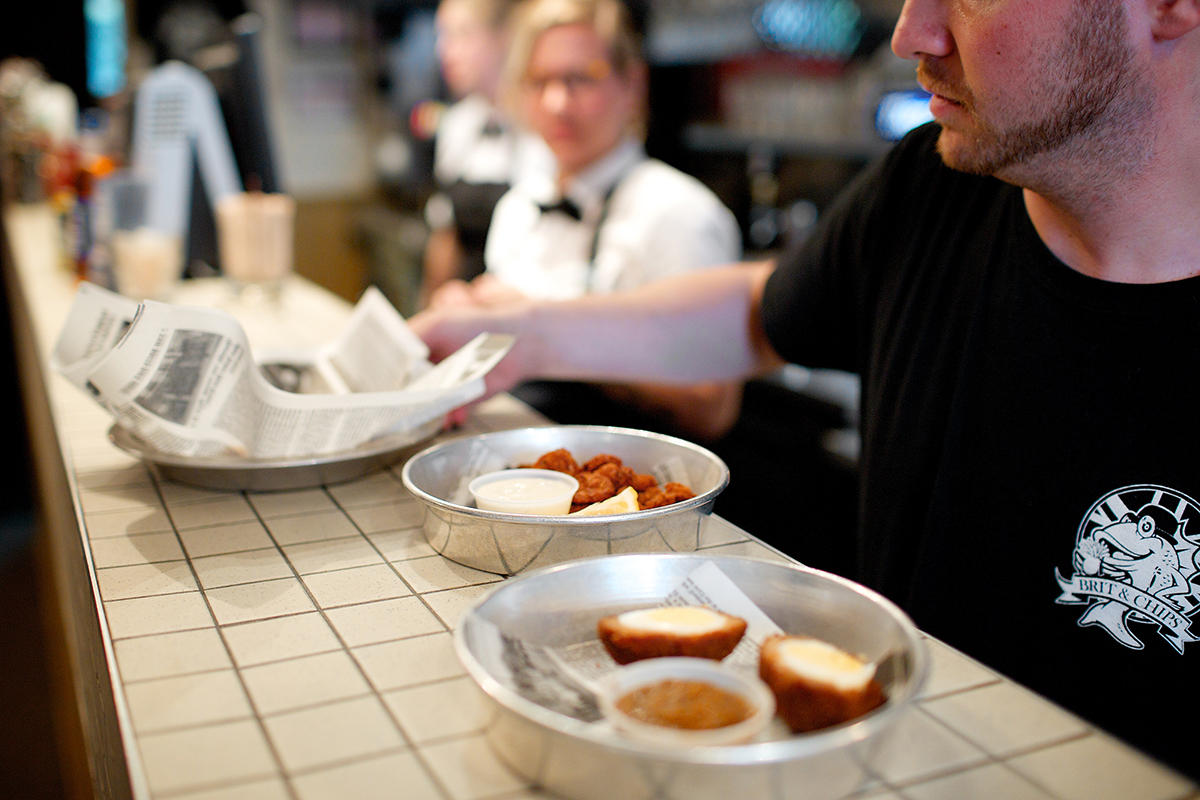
<point>298,644</point>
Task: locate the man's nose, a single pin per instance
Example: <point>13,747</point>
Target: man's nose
<point>922,30</point>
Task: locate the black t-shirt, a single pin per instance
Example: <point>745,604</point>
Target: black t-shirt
<point>1029,461</point>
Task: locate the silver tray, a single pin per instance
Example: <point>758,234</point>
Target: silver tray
<point>276,474</point>
<point>511,543</point>
<point>559,607</point>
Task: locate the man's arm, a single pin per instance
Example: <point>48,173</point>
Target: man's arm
<point>703,326</point>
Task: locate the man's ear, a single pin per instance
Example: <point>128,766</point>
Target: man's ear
<point>1171,19</point>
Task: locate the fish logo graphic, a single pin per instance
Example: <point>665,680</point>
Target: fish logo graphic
<point>1134,564</point>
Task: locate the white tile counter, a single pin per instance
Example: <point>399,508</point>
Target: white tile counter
<point>298,644</point>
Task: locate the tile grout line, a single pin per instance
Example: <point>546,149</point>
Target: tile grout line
<point>284,660</point>
<point>411,746</point>
<point>991,759</point>
<point>417,751</point>
<point>275,755</point>
<point>1088,728</point>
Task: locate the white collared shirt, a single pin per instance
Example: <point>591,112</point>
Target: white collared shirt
<point>658,222</point>
<point>462,151</point>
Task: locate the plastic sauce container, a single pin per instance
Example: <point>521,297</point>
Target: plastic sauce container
<point>539,492</point>
<point>719,677</point>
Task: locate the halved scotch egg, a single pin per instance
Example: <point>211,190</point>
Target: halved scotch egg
<point>696,631</point>
<point>816,684</point>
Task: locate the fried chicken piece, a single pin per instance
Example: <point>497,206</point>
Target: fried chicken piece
<point>559,460</point>
<point>605,475</point>
<point>596,462</point>
<point>656,496</point>
<point>593,487</point>
<point>620,476</point>
<point>643,481</point>
<point>677,492</point>
<point>651,498</point>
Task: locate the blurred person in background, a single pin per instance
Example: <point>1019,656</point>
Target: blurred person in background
<point>478,154</point>
<point>610,219</point>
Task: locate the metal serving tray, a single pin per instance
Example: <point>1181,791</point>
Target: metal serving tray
<point>560,606</point>
<point>259,475</point>
<point>511,543</point>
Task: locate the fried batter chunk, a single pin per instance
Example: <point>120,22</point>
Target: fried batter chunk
<point>559,460</point>
<point>643,481</point>
<point>620,476</point>
<point>605,475</point>
<point>651,498</point>
<point>596,462</point>
<point>593,487</point>
<point>656,496</point>
<point>677,492</point>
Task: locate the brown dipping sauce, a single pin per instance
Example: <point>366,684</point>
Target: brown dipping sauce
<point>690,705</point>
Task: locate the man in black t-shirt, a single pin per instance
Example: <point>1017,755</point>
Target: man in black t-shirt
<point>1017,286</point>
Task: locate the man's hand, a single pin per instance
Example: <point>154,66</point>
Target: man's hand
<point>446,330</point>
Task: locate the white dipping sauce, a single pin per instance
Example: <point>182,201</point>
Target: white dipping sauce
<point>525,491</point>
<point>529,489</point>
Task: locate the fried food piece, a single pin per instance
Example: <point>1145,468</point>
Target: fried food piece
<point>559,460</point>
<point>657,496</point>
<point>596,462</point>
<point>651,498</point>
<point>620,476</point>
<point>677,492</point>
<point>605,475</point>
<point>643,481</point>
<point>593,487</point>
<point>696,631</point>
<point>816,684</point>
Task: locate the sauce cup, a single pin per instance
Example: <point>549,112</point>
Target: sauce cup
<point>540,492</point>
<point>619,683</point>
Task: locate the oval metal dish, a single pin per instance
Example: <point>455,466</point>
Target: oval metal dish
<point>511,543</point>
<point>268,474</point>
<point>559,606</point>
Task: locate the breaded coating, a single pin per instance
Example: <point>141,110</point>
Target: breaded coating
<point>643,481</point>
<point>605,475</point>
<point>559,460</point>
<point>599,461</point>
<point>651,498</point>
<point>593,487</point>
<point>677,492</point>
<point>619,475</point>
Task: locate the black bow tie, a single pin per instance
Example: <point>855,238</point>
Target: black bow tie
<point>564,206</point>
<point>492,128</point>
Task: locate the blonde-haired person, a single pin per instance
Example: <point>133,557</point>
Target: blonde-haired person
<point>478,152</point>
<point>610,219</point>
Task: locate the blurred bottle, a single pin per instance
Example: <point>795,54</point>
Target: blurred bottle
<point>59,166</point>
<point>106,46</point>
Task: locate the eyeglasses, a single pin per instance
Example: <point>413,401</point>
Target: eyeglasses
<point>572,82</point>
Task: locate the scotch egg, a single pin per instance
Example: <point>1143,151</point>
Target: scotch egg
<point>696,631</point>
<point>816,684</point>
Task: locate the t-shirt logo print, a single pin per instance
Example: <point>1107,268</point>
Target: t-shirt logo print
<point>1134,562</point>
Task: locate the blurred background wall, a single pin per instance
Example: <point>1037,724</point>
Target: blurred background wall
<point>773,103</point>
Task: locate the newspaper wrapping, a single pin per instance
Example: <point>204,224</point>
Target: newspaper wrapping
<point>183,379</point>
